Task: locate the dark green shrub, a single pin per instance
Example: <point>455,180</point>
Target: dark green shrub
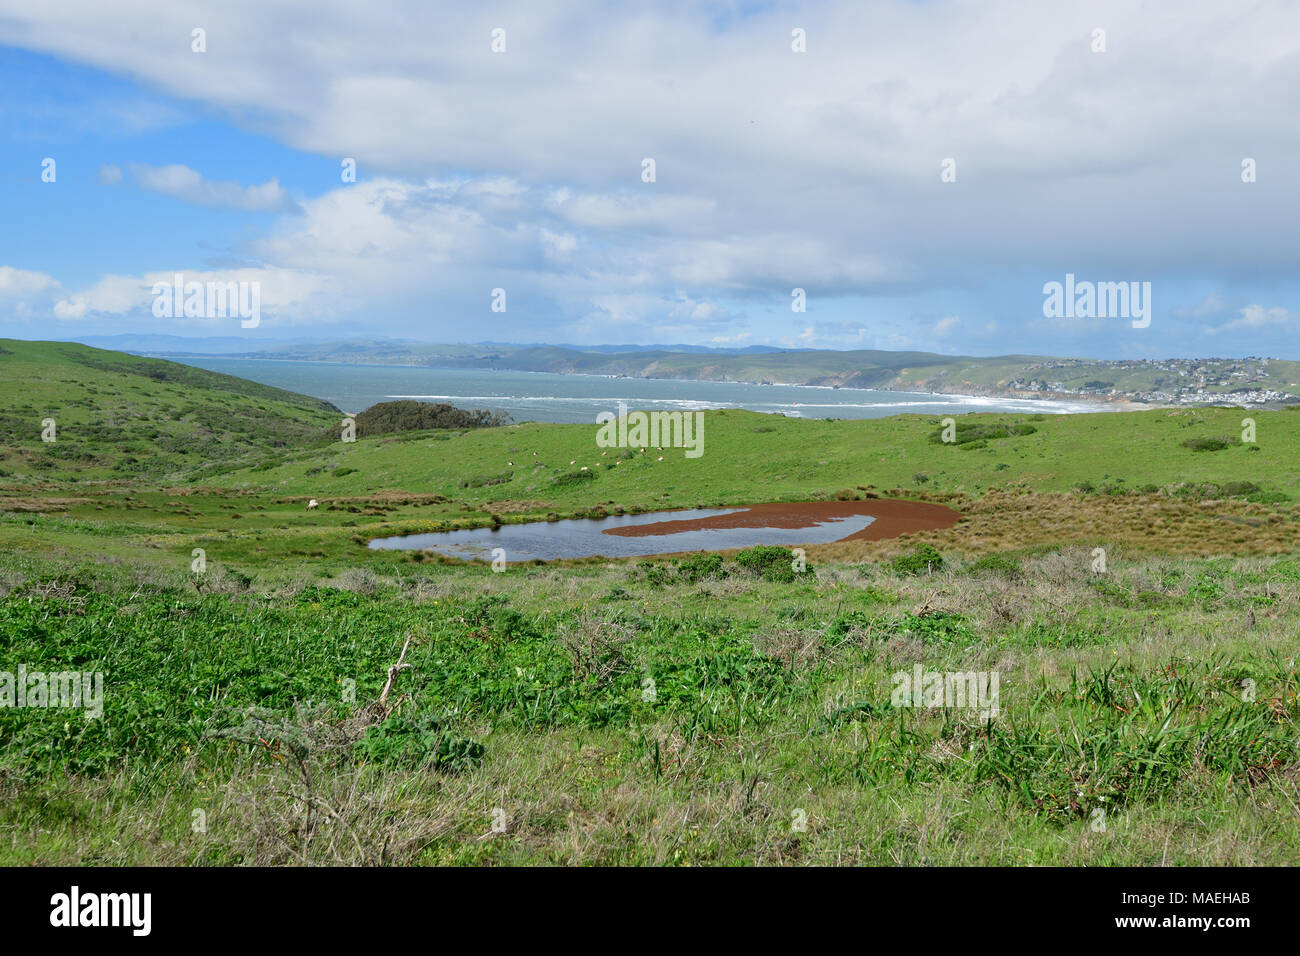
<point>573,478</point>
<point>1210,444</point>
<point>995,564</point>
<point>409,415</point>
<point>481,481</point>
<point>410,743</point>
<point>770,562</point>
<point>700,566</point>
<point>924,559</point>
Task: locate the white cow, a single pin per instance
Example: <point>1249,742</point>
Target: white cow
<point>313,504</point>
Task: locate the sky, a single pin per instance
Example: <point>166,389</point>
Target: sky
<point>922,171</point>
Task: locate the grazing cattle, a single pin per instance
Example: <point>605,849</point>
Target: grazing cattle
<point>312,504</point>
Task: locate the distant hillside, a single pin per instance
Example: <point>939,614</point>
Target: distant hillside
<point>1246,381</point>
<point>119,415</point>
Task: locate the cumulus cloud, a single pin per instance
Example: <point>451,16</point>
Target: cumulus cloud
<point>181,182</point>
<point>19,283</point>
<point>944,327</point>
<point>1256,317</point>
<point>744,132</point>
<point>773,169</point>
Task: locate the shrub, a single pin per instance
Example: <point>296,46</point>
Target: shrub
<point>1210,444</point>
<point>699,566</point>
<point>480,481</point>
<point>1239,489</point>
<point>770,562</point>
<point>924,559</point>
<point>656,574</point>
<point>995,564</point>
<point>978,436</point>
<point>409,415</point>
<point>573,478</point>
<point>410,743</point>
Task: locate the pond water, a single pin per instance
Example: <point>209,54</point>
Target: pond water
<point>585,537</point>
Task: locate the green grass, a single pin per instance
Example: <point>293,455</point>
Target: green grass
<point>120,416</point>
<point>527,691</point>
<point>714,708</point>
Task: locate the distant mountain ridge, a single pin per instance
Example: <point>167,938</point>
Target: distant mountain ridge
<point>1246,381</point>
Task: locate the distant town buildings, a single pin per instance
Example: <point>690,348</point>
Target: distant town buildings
<point>1157,381</point>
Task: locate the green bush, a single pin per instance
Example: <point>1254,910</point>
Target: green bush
<point>573,478</point>
<point>770,562</point>
<point>701,566</point>
<point>481,481</point>
<point>978,436</point>
<point>924,559</point>
<point>1210,444</point>
<point>409,415</point>
<point>995,564</point>
<point>408,744</point>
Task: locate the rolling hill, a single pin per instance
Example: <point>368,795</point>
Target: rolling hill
<point>117,415</point>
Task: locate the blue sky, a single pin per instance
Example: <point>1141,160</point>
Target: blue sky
<point>775,169</point>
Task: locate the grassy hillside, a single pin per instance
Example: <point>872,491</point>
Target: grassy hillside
<point>672,711</point>
<point>119,415</point>
<point>1136,478</point>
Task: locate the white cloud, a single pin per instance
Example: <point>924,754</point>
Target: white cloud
<point>839,146</point>
<point>774,170</point>
<point>20,283</point>
<point>945,326</point>
<point>181,182</point>
<point>1256,317</point>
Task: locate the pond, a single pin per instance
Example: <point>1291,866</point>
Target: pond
<point>696,529</point>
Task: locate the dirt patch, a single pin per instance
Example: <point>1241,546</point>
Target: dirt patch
<point>893,518</point>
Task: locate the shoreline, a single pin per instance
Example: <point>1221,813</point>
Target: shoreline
<point>1096,403</point>
<point>1044,399</point>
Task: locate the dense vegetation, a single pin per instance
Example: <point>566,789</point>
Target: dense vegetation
<point>691,712</point>
<point>319,702</point>
<point>120,416</point>
<point>407,416</point>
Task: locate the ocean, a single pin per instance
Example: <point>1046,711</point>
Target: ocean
<point>550,397</point>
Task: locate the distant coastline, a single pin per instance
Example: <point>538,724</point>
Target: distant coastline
<point>1111,403</point>
<point>1113,384</point>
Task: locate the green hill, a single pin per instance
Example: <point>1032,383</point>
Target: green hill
<point>651,712</point>
<point>118,415</point>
